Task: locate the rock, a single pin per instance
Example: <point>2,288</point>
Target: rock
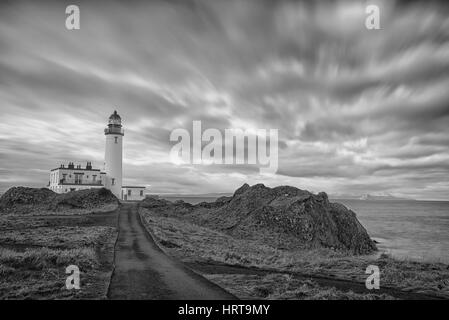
<point>216,204</point>
<point>151,203</point>
<point>284,217</point>
<point>25,196</point>
<point>22,200</point>
<point>242,189</point>
<point>293,218</point>
<point>83,199</point>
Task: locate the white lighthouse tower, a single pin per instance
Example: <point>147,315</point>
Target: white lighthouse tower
<point>114,154</point>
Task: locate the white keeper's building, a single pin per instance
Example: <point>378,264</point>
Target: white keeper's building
<point>132,193</point>
<point>75,177</point>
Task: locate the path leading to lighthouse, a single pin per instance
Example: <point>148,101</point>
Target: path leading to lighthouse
<point>143,271</point>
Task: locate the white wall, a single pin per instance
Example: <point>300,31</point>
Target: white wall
<point>133,194</point>
<point>113,163</point>
<point>68,188</point>
<point>87,179</point>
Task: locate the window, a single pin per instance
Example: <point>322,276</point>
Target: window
<point>129,192</point>
<point>78,178</point>
<point>115,138</point>
<point>113,181</point>
<point>94,178</point>
<point>141,193</point>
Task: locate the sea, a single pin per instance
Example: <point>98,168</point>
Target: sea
<point>405,229</point>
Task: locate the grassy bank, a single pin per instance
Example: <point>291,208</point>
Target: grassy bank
<point>34,254</point>
<point>285,287</point>
<point>31,211</point>
<point>192,243</point>
<point>22,201</point>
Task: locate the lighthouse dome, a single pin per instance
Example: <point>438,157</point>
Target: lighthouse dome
<point>114,125</point>
<point>115,119</point>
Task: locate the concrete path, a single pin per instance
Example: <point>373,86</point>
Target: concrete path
<point>143,271</point>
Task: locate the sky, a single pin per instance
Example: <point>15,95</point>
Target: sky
<point>358,111</point>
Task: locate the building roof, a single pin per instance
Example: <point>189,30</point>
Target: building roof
<point>115,115</point>
<point>81,184</point>
<point>131,187</point>
<point>76,169</point>
<point>115,120</point>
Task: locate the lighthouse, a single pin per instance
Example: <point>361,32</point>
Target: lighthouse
<point>114,154</point>
<point>74,177</point>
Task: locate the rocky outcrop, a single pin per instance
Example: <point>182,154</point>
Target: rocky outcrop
<point>22,200</point>
<point>284,217</point>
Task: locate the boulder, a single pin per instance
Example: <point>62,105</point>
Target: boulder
<point>22,200</point>
<point>285,217</point>
<point>290,218</point>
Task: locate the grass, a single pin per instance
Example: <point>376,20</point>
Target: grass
<point>58,236</point>
<point>13,222</point>
<point>34,254</point>
<point>193,243</point>
<point>33,210</point>
<point>45,258</point>
<point>40,273</point>
<point>285,287</point>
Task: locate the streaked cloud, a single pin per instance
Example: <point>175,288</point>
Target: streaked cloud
<point>357,110</point>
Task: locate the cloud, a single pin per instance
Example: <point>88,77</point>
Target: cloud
<point>357,110</point>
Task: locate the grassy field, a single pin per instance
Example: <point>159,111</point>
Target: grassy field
<point>192,243</point>
<point>285,287</point>
<point>35,251</point>
<point>32,210</point>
